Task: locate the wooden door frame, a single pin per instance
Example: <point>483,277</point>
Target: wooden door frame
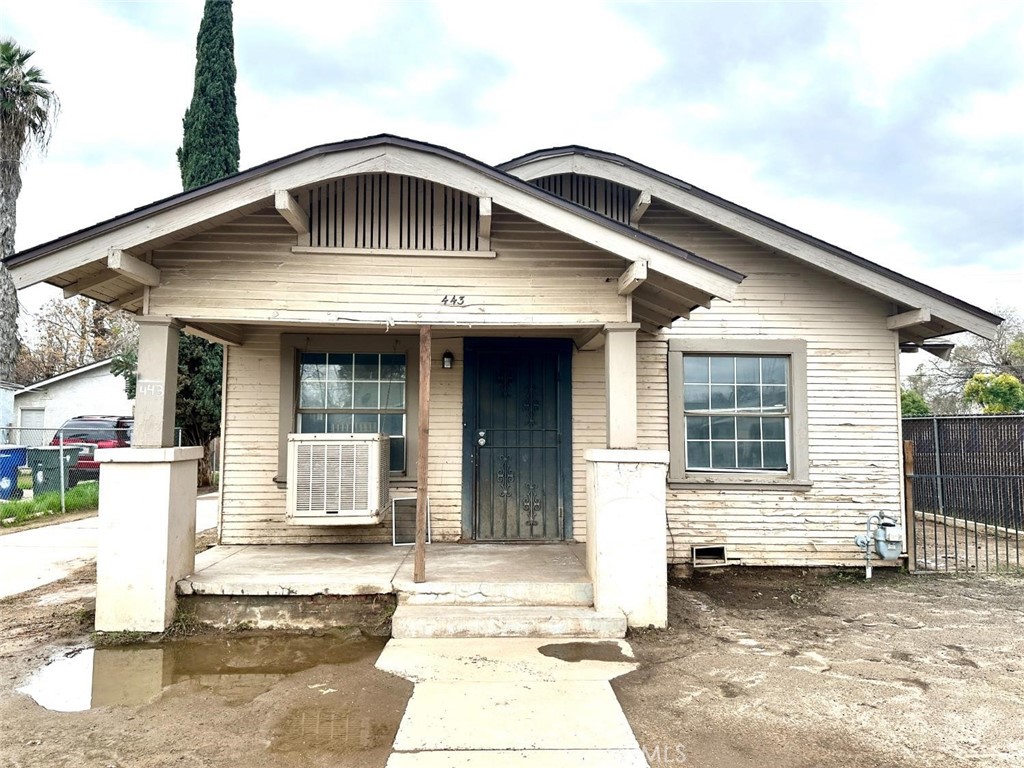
<point>472,346</point>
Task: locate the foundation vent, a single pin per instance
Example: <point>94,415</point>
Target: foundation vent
<point>711,556</point>
<point>337,479</point>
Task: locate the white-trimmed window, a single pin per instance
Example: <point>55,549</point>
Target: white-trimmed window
<point>355,392</point>
<point>737,410</point>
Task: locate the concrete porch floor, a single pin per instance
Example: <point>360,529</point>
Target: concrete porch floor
<point>459,572</point>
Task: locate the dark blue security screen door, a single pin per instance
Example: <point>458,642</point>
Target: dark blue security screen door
<point>517,447</point>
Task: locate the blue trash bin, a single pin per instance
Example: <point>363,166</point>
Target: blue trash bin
<point>11,457</point>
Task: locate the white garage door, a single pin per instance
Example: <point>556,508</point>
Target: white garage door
<point>31,421</point>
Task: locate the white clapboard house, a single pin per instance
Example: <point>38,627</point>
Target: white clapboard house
<point>596,352</point>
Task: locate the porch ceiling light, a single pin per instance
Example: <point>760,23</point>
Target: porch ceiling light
<point>447,359</point>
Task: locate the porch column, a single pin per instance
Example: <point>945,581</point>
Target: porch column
<point>147,521</point>
<point>626,544</point>
<point>157,383</point>
<point>620,383</point>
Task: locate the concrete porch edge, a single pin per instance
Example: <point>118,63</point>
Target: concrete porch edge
<point>472,590</point>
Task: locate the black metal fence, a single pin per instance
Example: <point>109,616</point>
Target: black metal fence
<point>968,491</point>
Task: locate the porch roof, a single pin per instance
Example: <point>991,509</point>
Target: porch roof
<point>920,311</point>
<point>107,253</point>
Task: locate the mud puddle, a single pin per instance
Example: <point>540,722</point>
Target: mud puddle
<point>599,651</point>
<point>237,668</point>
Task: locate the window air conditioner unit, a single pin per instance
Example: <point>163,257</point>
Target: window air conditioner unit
<point>337,479</point>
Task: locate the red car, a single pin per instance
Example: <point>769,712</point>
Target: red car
<point>99,431</point>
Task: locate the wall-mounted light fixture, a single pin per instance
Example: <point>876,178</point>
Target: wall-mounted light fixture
<point>447,359</point>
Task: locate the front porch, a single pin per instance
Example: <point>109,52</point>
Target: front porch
<point>470,572</point>
<point>505,468</point>
<point>473,590</point>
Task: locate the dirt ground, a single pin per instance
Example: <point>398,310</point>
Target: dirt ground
<point>798,670</point>
<point>759,668</point>
<point>247,699</point>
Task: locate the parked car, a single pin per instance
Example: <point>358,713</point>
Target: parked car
<point>100,431</point>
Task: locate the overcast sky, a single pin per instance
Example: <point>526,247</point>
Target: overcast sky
<point>894,129</point>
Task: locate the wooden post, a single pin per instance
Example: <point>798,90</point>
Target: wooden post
<point>620,384</point>
<point>908,497</point>
<point>157,382</point>
<point>419,567</point>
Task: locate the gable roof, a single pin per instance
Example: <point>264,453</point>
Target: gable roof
<point>945,313</point>
<point>685,274</point>
<point>66,375</point>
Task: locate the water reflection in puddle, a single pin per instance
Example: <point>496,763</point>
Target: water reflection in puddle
<point>239,668</point>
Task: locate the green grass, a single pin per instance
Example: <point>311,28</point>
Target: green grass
<point>185,623</point>
<point>25,481</point>
<point>83,496</point>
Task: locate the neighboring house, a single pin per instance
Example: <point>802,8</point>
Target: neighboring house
<point>41,408</point>
<point>608,343</point>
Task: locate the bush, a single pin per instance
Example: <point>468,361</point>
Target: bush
<point>82,497</point>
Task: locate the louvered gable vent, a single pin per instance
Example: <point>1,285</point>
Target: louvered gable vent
<point>389,211</point>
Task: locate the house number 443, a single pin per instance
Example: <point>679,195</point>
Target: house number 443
<point>454,301</point>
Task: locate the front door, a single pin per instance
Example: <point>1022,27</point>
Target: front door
<point>517,396</point>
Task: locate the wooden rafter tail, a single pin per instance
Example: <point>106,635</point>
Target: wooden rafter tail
<point>484,205</point>
<point>633,277</point>
<point>643,202</point>
<point>126,300</point>
<point>908,319</point>
<point>291,211</point>
<point>135,269</point>
<point>92,281</point>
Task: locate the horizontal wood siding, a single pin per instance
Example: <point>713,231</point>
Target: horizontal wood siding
<point>589,427</point>
<point>246,271</point>
<point>444,470</point>
<point>853,411</point>
<point>254,506</point>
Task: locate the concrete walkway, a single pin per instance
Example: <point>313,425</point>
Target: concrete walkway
<point>512,701</point>
<point>33,558</point>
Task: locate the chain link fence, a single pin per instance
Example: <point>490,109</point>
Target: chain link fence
<point>43,466</point>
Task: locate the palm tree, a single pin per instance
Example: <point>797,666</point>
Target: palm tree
<point>28,109</point>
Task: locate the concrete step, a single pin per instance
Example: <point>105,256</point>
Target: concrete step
<point>422,621</point>
<point>579,593</point>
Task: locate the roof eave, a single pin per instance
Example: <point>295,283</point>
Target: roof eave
<point>90,244</point>
<point>967,316</point>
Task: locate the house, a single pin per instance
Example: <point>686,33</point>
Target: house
<point>594,350</point>
<point>41,408</point>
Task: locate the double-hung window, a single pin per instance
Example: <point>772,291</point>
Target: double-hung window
<point>737,410</point>
<point>355,392</point>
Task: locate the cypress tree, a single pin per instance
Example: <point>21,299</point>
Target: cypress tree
<point>209,151</point>
<point>209,148</point>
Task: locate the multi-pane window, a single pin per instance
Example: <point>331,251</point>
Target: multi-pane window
<point>737,412</point>
<point>355,393</point>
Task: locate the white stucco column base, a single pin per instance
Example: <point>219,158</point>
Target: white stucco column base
<point>626,546</point>
<point>147,532</point>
